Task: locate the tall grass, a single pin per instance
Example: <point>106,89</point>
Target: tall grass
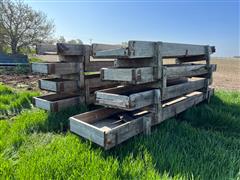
<point>202,143</point>
<point>12,102</point>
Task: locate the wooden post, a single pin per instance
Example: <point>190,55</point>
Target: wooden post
<point>209,75</point>
<point>147,125</point>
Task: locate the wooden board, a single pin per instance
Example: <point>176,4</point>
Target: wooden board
<point>176,106</point>
<point>43,49</point>
<point>136,63</point>
<point>145,74</point>
<point>127,101</point>
<point>191,85</point>
<point>191,59</point>
<point>129,75</point>
<point>94,66</point>
<point>94,81</point>
<point>56,68</point>
<point>187,70</point>
<point>144,49</point>
<point>106,128</point>
<point>102,47</point>
<point>70,49</point>
<point>13,59</point>
<point>58,85</point>
<point>57,102</point>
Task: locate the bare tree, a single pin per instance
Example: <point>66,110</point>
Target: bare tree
<point>22,26</point>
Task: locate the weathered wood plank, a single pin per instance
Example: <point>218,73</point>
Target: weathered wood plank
<point>179,105</point>
<point>58,85</point>
<point>56,68</point>
<point>136,63</point>
<point>46,49</point>
<point>93,66</point>
<point>70,49</point>
<point>102,47</point>
<point>191,58</point>
<point>143,49</point>
<point>70,58</point>
<point>126,102</point>
<point>123,132</point>
<point>56,102</point>
<point>95,81</point>
<point>186,70</point>
<point>129,75</point>
<point>135,49</point>
<point>184,88</point>
<point>171,50</point>
<point>87,131</point>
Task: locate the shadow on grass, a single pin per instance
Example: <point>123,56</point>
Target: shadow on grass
<point>203,143</point>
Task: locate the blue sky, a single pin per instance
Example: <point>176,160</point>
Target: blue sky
<point>197,22</point>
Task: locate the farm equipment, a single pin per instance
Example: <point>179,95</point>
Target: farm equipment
<point>143,90</point>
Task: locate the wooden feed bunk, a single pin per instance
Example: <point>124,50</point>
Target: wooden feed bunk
<point>74,79</point>
<point>150,91</point>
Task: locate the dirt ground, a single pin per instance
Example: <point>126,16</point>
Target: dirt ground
<point>227,76</point>
<point>28,82</point>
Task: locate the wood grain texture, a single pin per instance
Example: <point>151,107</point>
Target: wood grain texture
<point>126,102</point>
<point>144,49</point>
<point>102,47</point>
<point>183,88</point>
<point>56,68</point>
<point>135,63</point>
<point>186,70</point>
<point>58,85</point>
<point>70,49</point>
<point>129,75</point>
<point>56,102</point>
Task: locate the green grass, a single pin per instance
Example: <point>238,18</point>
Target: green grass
<point>12,102</point>
<point>202,143</point>
<point>34,59</point>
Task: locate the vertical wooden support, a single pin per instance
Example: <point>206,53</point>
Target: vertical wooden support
<point>209,75</point>
<point>78,76</point>
<point>147,125</point>
<point>158,75</point>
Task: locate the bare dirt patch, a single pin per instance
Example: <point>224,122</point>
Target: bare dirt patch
<point>29,82</point>
<point>21,79</point>
<point>227,75</point>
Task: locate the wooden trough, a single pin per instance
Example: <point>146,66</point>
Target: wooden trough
<point>137,89</point>
<point>75,73</point>
<point>58,85</point>
<point>56,102</point>
<point>150,91</point>
<point>106,128</point>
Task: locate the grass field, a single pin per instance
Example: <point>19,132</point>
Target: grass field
<point>202,143</point>
<point>12,102</point>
